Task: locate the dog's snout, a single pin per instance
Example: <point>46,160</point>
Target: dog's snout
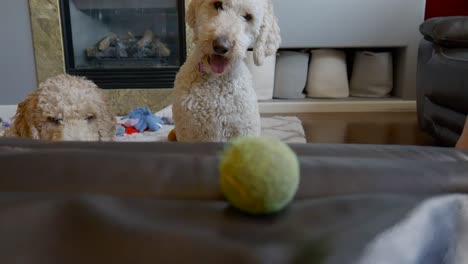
<point>222,45</point>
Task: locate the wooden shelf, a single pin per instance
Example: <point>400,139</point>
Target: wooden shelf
<point>275,106</point>
<point>337,105</point>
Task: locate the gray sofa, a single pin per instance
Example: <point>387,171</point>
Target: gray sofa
<point>442,85</point>
<point>160,203</point>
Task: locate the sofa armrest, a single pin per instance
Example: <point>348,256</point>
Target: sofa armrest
<point>180,171</point>
<point>449,32</point>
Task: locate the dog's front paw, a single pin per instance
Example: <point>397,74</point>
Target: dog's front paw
<point>172,137</point>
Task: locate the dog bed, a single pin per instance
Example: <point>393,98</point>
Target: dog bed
<point>287,129</point>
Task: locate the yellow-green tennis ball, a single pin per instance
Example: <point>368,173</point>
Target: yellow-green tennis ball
<point>259,175</point>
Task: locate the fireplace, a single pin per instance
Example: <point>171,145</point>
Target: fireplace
<point>124,43</point>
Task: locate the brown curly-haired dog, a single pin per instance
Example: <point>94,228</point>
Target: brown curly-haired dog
<point>65,107</point>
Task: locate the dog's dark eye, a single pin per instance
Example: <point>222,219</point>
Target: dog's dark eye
<point>218,5</point>
<point>90,117</point>
<point>54,120</point>
<point>248,17</point>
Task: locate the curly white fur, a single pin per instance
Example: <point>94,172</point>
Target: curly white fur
<point>65,108</point>
<point>213,107</point>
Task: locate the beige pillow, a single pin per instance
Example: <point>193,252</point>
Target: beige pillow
<point>328,76</point>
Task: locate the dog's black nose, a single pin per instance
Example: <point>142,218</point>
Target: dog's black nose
<point>222,45</point>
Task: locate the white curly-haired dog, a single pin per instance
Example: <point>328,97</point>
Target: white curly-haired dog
<point>214,98</point>
<point>67,108</point>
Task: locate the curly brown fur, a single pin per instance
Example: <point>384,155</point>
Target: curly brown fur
<point>65,107</point>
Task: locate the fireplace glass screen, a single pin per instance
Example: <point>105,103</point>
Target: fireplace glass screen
<point>124,43</point>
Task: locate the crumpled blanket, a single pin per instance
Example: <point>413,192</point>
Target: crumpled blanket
<point>436,232</point>
<point>288,129</point>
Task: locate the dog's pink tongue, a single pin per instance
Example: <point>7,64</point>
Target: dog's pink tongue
<point>218,63</point>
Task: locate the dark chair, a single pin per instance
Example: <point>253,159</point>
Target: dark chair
<point>442,85</point>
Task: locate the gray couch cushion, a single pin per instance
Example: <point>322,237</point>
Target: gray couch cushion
<point>144,203</point>
<point>442,91</point>
<point>447,31</point>
<point>442,77</point>
<point>190,171</point>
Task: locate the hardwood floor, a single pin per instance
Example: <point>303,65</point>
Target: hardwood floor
<point>364,128</point>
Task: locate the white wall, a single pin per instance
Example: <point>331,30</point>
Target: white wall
<point>314,23</point>
<point>348,23</point>
<point>17,68</point>
<point>357,24</point>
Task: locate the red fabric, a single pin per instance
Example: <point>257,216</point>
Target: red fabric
<point>131,130</point>
<point>438,8</point>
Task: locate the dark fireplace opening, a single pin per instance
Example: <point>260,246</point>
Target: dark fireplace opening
<point>124,43</point>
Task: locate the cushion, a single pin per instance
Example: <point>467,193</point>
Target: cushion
<point>328,76</point>
<point>291,75</point>
<point>447,31</point>
<point>263,76</point>
<point>372,74</point>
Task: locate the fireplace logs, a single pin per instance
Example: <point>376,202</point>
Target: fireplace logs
<point>146,39</point>
<point>113,46</point>
<point>104,44</point>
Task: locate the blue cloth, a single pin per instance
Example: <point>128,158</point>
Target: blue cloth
<point>120,132</point>
<point>146,119</point>
<point>434,233</point>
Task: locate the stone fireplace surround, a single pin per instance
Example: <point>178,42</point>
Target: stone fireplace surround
<point>316,24</point>
<point>48,49</point>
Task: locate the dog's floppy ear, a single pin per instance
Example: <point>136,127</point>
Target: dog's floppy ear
<point>22,125</point>
<point>191,16</point>
<point>269,39</point>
